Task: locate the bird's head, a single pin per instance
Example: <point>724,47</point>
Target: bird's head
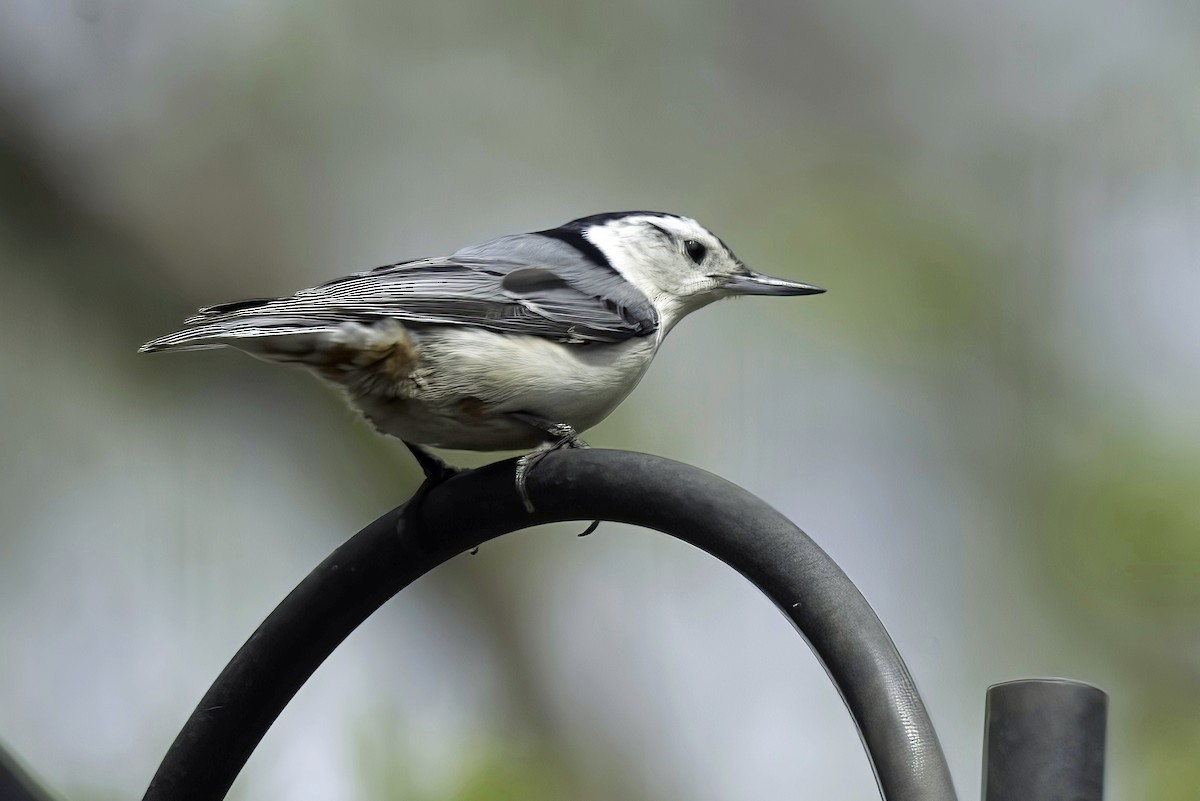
<point>676,262</point>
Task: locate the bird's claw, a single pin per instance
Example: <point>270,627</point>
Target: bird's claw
<point>524,465</point>
<point>565,438</point>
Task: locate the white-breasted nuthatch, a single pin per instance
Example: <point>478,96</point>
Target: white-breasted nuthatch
<point>516,343</point>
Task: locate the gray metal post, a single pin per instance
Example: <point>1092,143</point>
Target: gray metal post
<point>1044,741</point>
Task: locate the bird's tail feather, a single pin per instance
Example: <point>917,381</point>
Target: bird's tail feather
<point>261,335</point>
<point>338,349</point>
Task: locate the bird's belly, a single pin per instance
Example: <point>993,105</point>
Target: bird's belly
<point>422,425</point>
<point>469,380</point>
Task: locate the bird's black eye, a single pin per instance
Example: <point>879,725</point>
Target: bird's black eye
<point>696,252</point>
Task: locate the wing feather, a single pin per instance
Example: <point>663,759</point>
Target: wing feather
<point>524,284</point>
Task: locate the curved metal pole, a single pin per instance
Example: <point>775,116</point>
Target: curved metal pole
<point>478,505</point>
<point>16,784</point>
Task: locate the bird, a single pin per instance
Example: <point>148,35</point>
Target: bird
<point>518,343</point>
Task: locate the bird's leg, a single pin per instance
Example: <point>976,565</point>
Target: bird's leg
<point>561,435</point>
<point>436,471</point>
<point>564,436</point>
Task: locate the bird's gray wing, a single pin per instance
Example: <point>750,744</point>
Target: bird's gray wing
<point>523,284</point>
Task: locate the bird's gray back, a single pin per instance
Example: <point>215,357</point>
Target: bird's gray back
<point>582,270</point>
<point>523,284</point>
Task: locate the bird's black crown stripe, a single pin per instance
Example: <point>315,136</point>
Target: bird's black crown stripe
<point>572,233</point>
<point>609,216</point>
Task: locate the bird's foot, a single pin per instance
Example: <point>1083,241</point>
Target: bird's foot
<point>564,437</point>
<point>525,466</point>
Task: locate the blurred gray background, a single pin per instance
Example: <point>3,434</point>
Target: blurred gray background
<point>990,420</point>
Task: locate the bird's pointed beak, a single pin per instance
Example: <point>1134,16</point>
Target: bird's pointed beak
<point>752,283</point>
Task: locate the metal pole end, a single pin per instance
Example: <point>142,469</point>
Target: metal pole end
<point>1044,740</point>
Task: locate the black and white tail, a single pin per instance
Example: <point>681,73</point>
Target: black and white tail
<point>275,337</point>
<point>268,329</point>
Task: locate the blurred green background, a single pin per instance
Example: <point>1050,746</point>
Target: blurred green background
<point>990,420</point>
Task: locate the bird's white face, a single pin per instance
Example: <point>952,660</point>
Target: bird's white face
<point>680,265</point>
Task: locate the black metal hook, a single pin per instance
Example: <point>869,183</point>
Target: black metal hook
<point>475,506</point>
